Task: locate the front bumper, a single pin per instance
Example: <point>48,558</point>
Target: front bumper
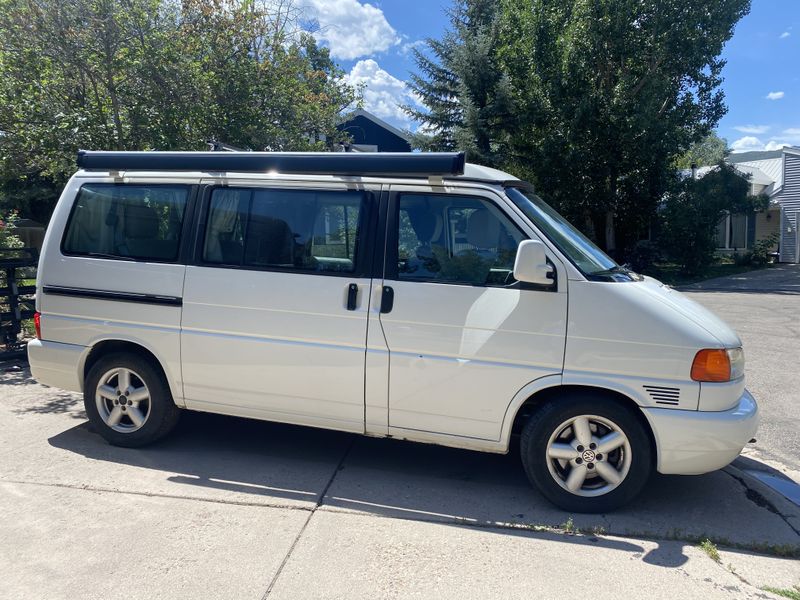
<point>56,364</point>
<point>694,442</point>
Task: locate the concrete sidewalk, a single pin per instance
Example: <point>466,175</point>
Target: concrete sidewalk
<point>228,508</point>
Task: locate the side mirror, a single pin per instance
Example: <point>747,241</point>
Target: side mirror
<point>531,264</point>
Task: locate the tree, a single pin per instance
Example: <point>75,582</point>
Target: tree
<point>708,151</point>
<point>693,210</point>
<point>467,98</point>
<point>606,93</point>
<point>153,74</point>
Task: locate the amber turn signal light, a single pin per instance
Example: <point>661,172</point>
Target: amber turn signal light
<point>712,365</point>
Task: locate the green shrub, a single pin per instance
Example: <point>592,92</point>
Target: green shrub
<point>692,210</point>
<point>8,226</point>
<point>761,249</point>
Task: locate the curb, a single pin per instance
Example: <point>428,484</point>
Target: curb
<point>766,497</point>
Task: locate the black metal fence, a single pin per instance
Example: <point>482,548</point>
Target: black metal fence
<point>17,299</point>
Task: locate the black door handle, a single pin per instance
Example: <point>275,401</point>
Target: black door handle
<point>387,299</point>
<point>352,296</point>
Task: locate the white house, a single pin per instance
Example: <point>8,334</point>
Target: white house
<point>775,173</point>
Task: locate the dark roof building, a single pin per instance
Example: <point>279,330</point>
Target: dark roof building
<point>371,134</point>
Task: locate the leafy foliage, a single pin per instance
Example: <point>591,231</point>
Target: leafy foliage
<point>708,151</point>
<point>610,91</point>
<point>8,236</point>
<point>590,100</point>
<point>693,210</point>
<point>154,74</point>
<point>760,255</point>
<point>468,98</point>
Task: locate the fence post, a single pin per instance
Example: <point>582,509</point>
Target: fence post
<point>19,309</point>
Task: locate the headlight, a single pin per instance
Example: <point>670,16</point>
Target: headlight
<point>736,356</point>
<point>718,365</point>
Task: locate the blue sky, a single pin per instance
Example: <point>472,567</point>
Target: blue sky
<point>371,42</point>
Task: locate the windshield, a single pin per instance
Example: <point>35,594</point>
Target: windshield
<point>576,246</point>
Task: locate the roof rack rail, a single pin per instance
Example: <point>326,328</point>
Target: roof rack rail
<point>407,164</point>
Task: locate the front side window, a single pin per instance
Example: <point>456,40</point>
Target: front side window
<point>455,239</point>
<point>303,230</point>
<point>141,222</point>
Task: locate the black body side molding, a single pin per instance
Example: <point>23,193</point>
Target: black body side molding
<point>56,290</point>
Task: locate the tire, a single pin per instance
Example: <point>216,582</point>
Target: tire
<point>554,429</point>
<point>145,414</point>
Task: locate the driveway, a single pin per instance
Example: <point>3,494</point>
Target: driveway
<point>229,508</point>
<point>764,308</point>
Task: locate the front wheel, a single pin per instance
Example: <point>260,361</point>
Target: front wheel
<point>128,401</point>
<point>586,454</point>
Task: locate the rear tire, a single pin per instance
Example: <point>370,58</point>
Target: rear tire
<point>586,453</point>
<point>127,400</point>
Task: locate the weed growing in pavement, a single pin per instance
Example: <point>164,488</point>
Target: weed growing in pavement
<point>793,593</point>
<point>568,525</point>
<point>710,548</point>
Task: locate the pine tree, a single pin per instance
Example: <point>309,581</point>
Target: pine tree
<point>466,96</point>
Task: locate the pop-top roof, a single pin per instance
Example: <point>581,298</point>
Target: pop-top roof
<point>404,164</point>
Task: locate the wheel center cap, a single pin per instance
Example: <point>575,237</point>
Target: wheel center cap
<point>123,400</point>
<point>588,456</point>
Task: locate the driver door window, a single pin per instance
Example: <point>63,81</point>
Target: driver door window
<point>455,239</point>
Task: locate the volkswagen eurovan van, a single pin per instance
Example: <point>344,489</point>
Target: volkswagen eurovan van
<point>410,296</point>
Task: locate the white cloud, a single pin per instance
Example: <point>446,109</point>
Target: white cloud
<point>792,131</point>
<point>383,93</point>
<point>407,47</point>
<point>773,145</point>
<point>351,29</point>
<point>747,144</point>
<point>750,143</point>
<point>756,129</point>
<point>784,35</point>
<point>775,95</point>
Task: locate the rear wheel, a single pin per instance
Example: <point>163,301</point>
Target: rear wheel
<point>586,453</point>
<point>128,400</point>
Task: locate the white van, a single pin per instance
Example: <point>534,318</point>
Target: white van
<point>410,296</point>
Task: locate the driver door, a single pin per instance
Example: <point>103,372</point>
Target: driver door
<point>463,335</point>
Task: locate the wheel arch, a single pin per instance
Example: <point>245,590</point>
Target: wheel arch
<point>538,392</point>
<point>108,346</point>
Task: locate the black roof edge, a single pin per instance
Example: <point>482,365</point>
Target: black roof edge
<point>421,164</point>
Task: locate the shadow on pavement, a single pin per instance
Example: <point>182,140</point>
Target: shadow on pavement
<point>263,460</point>
<point>265,463</point>
<point>778,279</point>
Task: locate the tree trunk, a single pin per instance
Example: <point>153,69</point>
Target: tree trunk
<point>610,237</point>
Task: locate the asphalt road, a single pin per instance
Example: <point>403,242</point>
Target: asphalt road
<point>764,308</point>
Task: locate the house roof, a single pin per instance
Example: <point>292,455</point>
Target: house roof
<point>770,168</point>
<point>763,168</point>
<point>360,112</point>
<point>756,174</point>
<point>739,157</point>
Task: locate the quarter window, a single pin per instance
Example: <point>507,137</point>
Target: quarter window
<point>299,230</point>
<point>455,239</point>
<point>141,222</point>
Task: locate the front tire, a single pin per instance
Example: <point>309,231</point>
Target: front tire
<point>586,453</point>
<point>128,401</point>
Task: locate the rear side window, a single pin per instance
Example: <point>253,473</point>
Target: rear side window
<point>141,222</point>
<point>302,230</point>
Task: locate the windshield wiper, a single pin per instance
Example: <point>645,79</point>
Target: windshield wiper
<point>612,270</point>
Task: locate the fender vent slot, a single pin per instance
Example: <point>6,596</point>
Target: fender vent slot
<point>670,396</point>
